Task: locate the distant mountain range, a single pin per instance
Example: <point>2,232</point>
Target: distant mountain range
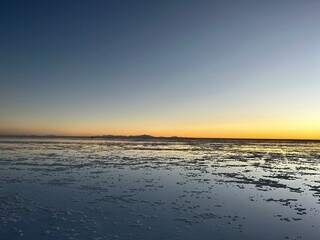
<point>119,137</point>
<point>145,137</point>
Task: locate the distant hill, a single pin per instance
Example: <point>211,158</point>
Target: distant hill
<point>145,137</point>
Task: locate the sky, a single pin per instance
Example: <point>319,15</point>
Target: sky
<point>247,69</point>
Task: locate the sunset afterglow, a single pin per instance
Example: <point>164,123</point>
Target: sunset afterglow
<point>197,70</point>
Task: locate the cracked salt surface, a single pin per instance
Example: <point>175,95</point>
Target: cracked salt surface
<point>88,189</point>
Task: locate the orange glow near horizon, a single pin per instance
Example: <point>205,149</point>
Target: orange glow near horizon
<point>275,130</point>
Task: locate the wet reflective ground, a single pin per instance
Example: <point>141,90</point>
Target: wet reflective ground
<point>88,189</point>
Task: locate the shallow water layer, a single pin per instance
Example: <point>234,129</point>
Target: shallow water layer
<point>89,189</point>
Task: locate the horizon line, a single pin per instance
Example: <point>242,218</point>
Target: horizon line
<point>147,136</point>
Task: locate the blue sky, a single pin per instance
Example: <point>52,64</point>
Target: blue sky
<point>196,68</point>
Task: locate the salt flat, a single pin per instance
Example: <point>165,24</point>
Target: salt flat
<point>184,189</point>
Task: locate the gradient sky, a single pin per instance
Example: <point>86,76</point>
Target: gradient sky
<point>186,68</point>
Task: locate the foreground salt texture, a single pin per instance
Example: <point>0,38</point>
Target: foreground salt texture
<point>88,189</point>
